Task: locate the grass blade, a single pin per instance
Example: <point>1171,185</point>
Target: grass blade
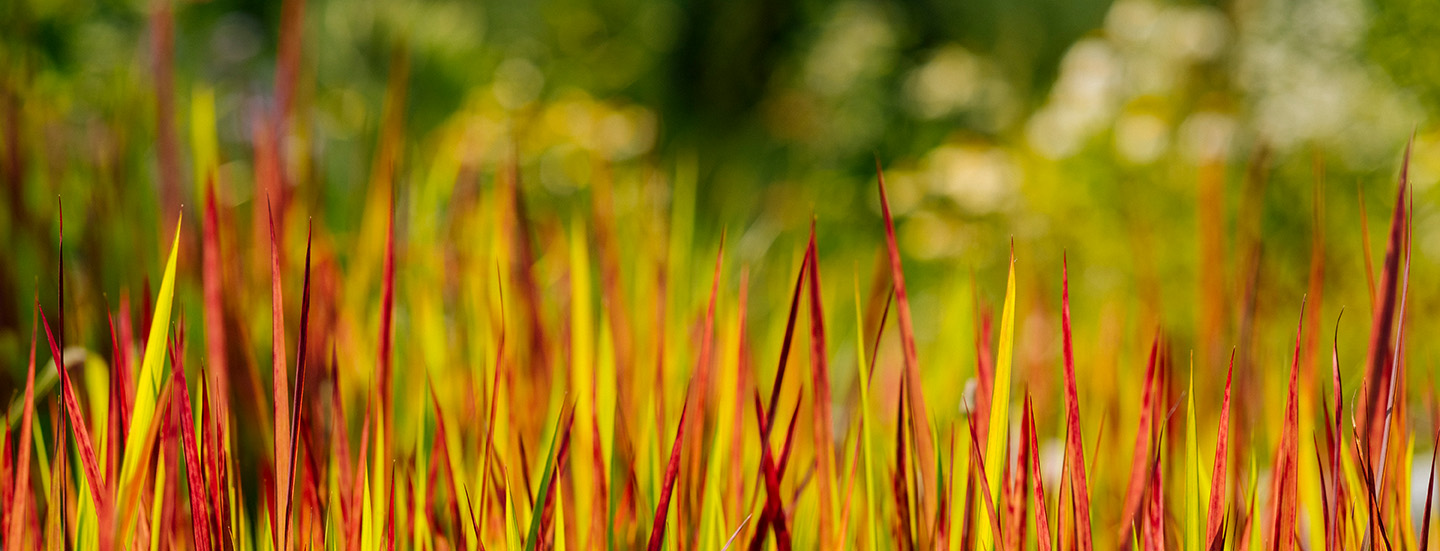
<point>672,470</point>
<point>20,497</point>
<point>998,434</point>
<point>986,495</point>
<point>1215,518</point>
<point>1192,468</point>
<point>77,423</point>
<point>1042,523</point>
<point>212,280</point>
<point>1378,369</point>
<point>560,435</point>
<point>1139,474</point>
<point>1282,534</point>
<point>924,447</point>
<point>299,394</point>
<point>1075,439</point>
<point>820,378</point>
<point>196,478</point>
<point>282,394</point>
<point>1424,542</point>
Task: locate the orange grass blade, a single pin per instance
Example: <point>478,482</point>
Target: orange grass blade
<point>1429,493</point>
<point>20,498</point>
<point>282,393</point>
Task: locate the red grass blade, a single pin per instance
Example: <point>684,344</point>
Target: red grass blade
<point>672,470</point>
<point>1154,531</point>
<point>1215,520</point>
<point>1287,458</point>
<point>1075,440</point>
<point>785,344</point>
<point>444,459</point>
<point>924,448</point>
<point>198,499</point>
<point>212,280</point>
<point>773,507</point>
<point>978,457</point>
<point>300,355</point>
<point>1138,468</point>
<point>387,314</point>
<point>1332,522</point>
<point>1015,498</point>
<point>901,478</point>
<point>76,417</point>
<point>1042,524</point>
<point>1378,368</point>
<point>820,378</point>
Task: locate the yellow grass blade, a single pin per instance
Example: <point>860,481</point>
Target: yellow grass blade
<point>998,435</point>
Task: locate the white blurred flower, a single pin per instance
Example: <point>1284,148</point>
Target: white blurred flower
<point>948,82</point>
<point>1141,137</point>
<point>978,178</point>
